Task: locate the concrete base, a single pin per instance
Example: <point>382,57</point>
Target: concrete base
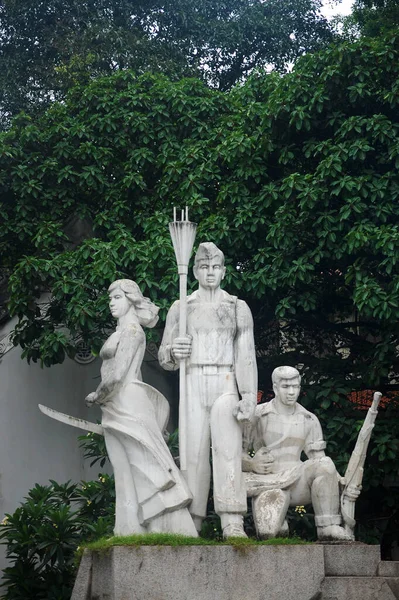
<point>357,560</point>
<point>357,588</point>
<point>309,572</point>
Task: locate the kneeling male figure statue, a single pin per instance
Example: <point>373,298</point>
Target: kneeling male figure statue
<point>276,477</point>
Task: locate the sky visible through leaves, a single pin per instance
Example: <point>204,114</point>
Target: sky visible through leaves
<point>342,8</point>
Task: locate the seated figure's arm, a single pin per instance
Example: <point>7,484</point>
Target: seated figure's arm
<point>249,435</point>
<point>246,464</point>
<point>262,459</point>
<point>315,444</point>
<point>261,462</point>
<point>165,356</point>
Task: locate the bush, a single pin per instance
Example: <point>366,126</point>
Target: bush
<point>43,534</point>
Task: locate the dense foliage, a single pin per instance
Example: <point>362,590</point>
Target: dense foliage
<point>294,176</point>
<point>375,17</point>
<point>45,47</point>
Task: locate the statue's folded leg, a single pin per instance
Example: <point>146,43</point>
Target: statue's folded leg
<point>323,479</point>
<point>269,512</point>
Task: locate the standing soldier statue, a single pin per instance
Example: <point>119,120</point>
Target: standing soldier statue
<point>218,352</point>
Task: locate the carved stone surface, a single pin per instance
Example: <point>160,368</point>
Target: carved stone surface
<point>345,560</point>
<point>227,573</point>
<point>221,388</point>
<point>281,430</point>
<point>269,510</point>
<point>83,354</point>
<point>358,588</point>
<point>207,573</point>
<point>82,587</point>
<point>151,495</point>
<point>389,569</point>
<point>5,344</point>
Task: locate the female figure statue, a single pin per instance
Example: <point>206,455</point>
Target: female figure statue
<point>151,495</point>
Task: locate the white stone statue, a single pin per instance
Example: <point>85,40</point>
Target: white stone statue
<point>221,389</point>
<point>151,495</point>
<point>277,478</point>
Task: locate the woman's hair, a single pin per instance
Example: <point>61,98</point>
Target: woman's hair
<point>147,311</point>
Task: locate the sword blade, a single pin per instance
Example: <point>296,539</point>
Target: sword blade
<point>73,421</point>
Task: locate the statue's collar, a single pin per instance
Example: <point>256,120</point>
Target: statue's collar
<point>270,407</point>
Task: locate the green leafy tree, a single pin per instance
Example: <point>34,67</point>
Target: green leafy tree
<point>375,17</point>
<point>45,47</point>
<point>112,160</point>
<point>295,176</point>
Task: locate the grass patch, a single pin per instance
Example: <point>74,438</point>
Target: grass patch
<point>166,539</point>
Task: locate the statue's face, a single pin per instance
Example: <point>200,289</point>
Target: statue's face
<point>287,391</point>
<point>209,273</point>
<point>119,305</point>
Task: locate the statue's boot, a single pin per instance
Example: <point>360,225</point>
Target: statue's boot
<point>333,532</point>
<point>232,525</point>
<point>325,500</point>
<point>269,512</point>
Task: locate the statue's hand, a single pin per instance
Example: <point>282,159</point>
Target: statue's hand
<point>181,347</point>
<point>91,399</point>
<point>262,462</point>
<point>353,492</point>
<point>245,409</point>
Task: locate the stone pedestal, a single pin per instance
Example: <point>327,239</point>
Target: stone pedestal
<point>322,571</point>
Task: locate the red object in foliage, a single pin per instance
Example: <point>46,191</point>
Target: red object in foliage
<point>363,399</point>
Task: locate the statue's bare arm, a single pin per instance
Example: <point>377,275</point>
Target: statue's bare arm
<point>245,363</point>
<point>314,443</point>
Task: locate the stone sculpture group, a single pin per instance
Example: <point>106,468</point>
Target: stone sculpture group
<point>256,450</point>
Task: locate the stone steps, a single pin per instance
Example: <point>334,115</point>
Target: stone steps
<point>355,572</point>
<point>360,588</point>
<point>388,568</point>
<point>358,575</point>
<point>358,560</point>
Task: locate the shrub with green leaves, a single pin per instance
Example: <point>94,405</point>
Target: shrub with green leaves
<point>42,535</point>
